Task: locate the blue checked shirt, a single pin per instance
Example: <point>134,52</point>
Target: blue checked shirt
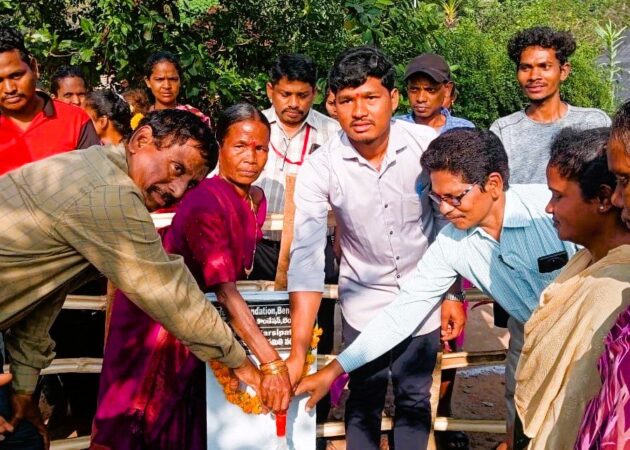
<point>506,271</point>
<point>451,121</point>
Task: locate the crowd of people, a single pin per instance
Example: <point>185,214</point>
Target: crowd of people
<point>534,212</point>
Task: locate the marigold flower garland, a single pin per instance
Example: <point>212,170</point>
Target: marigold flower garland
<point>251,404</point>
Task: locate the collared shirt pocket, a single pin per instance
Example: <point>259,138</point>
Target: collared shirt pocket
<point>538,281</point>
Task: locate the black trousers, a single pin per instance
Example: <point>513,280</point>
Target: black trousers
<point>410,364</point>
<point>76,333</point>
<point>25,436</point>
<point>520,440</point>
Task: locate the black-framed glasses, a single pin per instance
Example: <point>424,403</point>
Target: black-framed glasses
<point>453,200</point>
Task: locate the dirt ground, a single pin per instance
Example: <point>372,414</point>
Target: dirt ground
<point>478,391</point>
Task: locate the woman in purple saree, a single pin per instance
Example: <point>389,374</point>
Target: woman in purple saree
<point>606,421</point>
<point>152,388</point>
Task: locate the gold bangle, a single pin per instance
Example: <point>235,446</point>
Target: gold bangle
<point>275,372</point>
<point>274,363</point>
<point>274,367</point>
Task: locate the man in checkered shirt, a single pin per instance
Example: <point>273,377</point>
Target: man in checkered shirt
<point>67,218</point>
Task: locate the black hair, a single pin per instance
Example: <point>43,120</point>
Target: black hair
<point>562,42</point>
<point>138,100</point>
<point>469,152</point>
<point>111,105</point>
<point>621,126</point>
<point>239,112</point>
<point>353,67</point>
<point>295,68</point>
<point>580,156</point>
<point>65,72</point>
<point>176,127</point>
<point>159,57</point>
<point>11,39</point>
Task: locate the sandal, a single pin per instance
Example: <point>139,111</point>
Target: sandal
<point>451,440</point>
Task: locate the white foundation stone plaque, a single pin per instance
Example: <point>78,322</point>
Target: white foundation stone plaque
<point>228,427</point>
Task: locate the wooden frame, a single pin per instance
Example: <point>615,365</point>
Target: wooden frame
<point>325,430</point>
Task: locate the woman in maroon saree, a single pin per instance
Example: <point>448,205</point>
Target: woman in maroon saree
<point>152,388</point>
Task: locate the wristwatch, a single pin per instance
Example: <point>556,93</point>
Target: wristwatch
<point>456,297</point>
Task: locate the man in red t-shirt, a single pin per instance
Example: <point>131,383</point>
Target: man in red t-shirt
<point>32,125</point>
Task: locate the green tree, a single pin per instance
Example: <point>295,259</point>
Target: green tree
<point>227,47</point>
<point>485,76</point>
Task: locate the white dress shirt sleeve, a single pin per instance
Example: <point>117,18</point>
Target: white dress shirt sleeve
<point>306,268</point>
<point>418,298</point>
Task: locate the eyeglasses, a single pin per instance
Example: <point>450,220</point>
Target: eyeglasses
<point>453,200</point>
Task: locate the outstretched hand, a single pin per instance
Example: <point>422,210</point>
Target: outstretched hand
<point>276,391</point>
<point>249,375</point>
<point>453,319</point>
<point>318,384</point>
<point>25,407</point>
<point>5,425</point>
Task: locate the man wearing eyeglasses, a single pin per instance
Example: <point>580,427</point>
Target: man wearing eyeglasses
<point>499,237</point>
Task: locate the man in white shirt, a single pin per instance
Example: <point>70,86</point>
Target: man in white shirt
<point>297,130</point>
<point>370,175</point>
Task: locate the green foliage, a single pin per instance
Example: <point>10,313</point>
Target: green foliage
<point>194,8</point>
<point>227,46</point>
<point>245,37</point>
<point>485,76</point>
<point>612,38</point>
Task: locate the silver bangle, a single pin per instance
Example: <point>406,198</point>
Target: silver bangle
<point>456,297</point>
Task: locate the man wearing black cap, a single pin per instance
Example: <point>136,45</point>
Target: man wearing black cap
<point>429,82</point>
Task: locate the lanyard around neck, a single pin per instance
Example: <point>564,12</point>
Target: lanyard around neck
<point>284,155</point>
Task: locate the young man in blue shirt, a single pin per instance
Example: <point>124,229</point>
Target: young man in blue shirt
<point>496,238</point>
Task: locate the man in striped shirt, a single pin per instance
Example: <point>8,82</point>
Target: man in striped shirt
<point>297,130</point>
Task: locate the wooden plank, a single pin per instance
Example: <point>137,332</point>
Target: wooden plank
<point>70,365</point>
<point>78,443</point>
<point>337,428</point>
<point>435,398</point>
<point>287,234</point>
<point>109,301</point>
<point>470,425</point>
<point>273,222</point>
<point>331,291</point>
<point>93,365</point>
<point>457,360</point>
<point>90,302</point>
<point>449,360</point>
